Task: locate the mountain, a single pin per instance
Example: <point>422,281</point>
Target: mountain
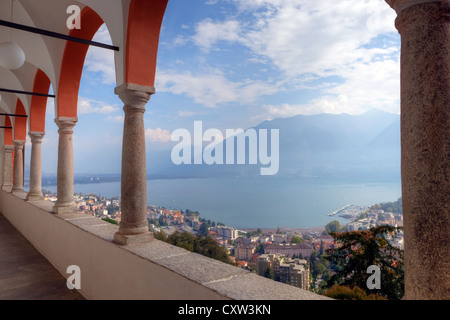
<point>323,145</point>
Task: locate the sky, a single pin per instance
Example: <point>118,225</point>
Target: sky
<point>235,63</point>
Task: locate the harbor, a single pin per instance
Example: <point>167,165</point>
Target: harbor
<point>349,211</point>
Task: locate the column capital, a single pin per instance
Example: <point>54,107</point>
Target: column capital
<point>134,96</point>
<point>66,124</point>
<point>9,148</point>
<point>401,5</point>
<point>19,143</point>
<point>36,137</point>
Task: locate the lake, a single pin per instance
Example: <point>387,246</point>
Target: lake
<point>265,202</point>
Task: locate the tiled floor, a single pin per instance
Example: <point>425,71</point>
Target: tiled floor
<point>24,273</point>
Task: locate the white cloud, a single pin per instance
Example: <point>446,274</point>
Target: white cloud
<point>119,118</point>
<point>157,135</point>
<point>210,32</point>
<point>208,90</point>
<point>212,89</point>
<point>99,60</point>
<point>86,106</point>
<point>318,39</point>
<point>325,104</point>
<point>304,36</point>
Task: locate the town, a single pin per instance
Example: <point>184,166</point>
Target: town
<point>282,254</point>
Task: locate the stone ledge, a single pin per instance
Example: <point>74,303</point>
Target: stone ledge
<point>221,280</point>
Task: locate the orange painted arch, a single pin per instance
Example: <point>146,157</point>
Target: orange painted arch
<point>20,123</point>
<point>8,133</point>
<point>73,62</point>
<point>144,26</point>
<point>38,103</point>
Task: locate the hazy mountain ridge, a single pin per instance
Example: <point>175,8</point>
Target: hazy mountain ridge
<point>324,145</point>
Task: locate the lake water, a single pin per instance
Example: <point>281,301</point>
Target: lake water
<point>260,202</point>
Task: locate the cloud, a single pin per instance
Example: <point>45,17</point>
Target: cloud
<point>118,118</point>
<point>303,36</point>
<point>99,60</point>
<point>208,90</point>
<point>309,42</point>
<point>208,32</point>
<point>213,88</point>
<point>326,104</point>
<point>157,135</point>
<point>86,106</point>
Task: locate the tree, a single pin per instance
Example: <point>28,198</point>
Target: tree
<point>358,250</point>
<point>206,246</point>
<point>321,250</point>
<point>269,273</point>
<point>161,221</point>
<point>110,220</point>
<point>203,229</point>
<point>333,226</point>
<point>296,239</point>
<point>346,293</point>
<point>260,248</point>
<point>279,231</point>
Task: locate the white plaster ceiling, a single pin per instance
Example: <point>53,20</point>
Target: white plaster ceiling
<point>46,53</point>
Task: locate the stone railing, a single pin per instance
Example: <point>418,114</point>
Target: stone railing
<point>154,270</point>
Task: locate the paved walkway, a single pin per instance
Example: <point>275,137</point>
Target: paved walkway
<point>24,273</point>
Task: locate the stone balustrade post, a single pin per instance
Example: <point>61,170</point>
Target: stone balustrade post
<point>424,26</point>
<point>35,192</point>
<point>65,203</point>
<point>133,225</point>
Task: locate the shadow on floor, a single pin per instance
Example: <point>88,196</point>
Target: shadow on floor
<point>24,273</point>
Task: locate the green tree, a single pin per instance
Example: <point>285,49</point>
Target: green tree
<point>203,230</point>
<point>206,246</point>
<point>110,220</point>
<point>260,248</point>
<point>358,250</point>
<point>333,226</point>
<point>160,235</point>
<point>161,221</point>
<point>347,293</point>
<point>321,250</point>
<point>296,239</point>
<point>269,273</point>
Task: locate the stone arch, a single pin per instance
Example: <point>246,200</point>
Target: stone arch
<point>73,62</point>
<point>39,103</point>
<point>8,133</point>
<point>20,123</point>
<point>144,25</point>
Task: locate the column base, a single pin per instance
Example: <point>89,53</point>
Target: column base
<point>7,188</point>
<point>17,191</point>
<point>34,197</point>
<point>126,239</point>
<point>64,208</point>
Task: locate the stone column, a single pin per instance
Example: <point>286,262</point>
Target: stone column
<point>18,166</point>
<point>8,168</point>
<point>35,192</point>
<point>424,26</point>
<point>65,203</point>
<point>133,224</point>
